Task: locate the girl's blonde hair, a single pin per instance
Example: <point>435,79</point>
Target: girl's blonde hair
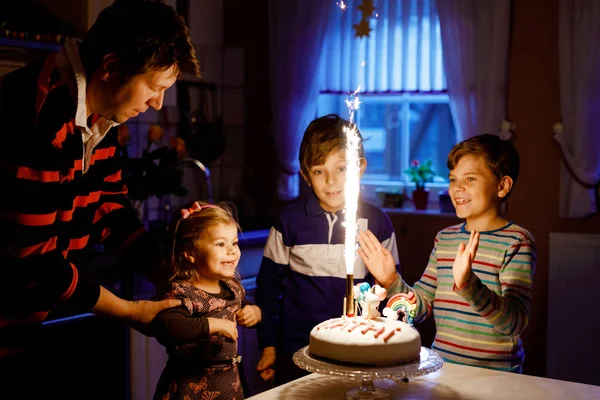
<point>185,231</point>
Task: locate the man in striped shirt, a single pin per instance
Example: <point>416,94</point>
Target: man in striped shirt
<point>61,182</point>
<point>479,294</point>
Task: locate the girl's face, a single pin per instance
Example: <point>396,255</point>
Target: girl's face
<point>216,252</point>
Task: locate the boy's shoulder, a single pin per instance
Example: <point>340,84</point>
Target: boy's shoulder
<point>520,233</point>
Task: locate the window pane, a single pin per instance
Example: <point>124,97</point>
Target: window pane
<point>371,121</point>
<point>432,134</point>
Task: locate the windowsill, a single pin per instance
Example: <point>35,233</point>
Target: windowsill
<point>412,211</point>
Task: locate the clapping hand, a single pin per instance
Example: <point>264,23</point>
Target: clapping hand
<point>379,261</point>
<point>461,269</point>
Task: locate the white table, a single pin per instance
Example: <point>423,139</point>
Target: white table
<point>450,382</point>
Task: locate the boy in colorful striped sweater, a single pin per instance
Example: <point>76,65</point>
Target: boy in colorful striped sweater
<point>479,294</point>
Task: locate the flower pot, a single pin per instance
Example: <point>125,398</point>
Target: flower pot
<point>420,199</point>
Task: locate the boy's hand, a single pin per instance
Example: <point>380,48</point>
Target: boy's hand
<point>223,327</point>
<point>379,261</point>
<point>248,316</point>
<point>265,364</point>
<point>461,269</point>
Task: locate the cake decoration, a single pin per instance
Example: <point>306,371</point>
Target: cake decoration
<point>402,306</point>
<point>368,298</point>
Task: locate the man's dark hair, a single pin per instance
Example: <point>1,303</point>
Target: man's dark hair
<point>144,35</point>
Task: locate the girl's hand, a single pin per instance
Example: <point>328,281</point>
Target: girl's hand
<point>379,261</point>
<point>266,362</point>
<point>461,269</point>
<point>223,327</point>
<point>248,316</point>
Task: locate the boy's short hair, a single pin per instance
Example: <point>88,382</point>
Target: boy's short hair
<point>144,34</point>
<point>322,136</point>
<point>499,155</point>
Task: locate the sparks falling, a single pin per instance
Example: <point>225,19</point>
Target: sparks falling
<point>352,187</point>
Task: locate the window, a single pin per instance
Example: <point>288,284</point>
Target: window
<point>397,129</point>
<point>404,112</point>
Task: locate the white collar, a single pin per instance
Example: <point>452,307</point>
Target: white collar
<point>71,70</point>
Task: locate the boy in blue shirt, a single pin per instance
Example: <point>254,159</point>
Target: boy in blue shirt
<point>302,277</point>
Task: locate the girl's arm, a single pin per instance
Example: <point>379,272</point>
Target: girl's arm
<point>175,327</point>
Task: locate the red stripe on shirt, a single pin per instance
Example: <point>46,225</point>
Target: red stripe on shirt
<point>84,201</point>
<point>103,154</point>
<point>433,278</point>
<point>473,348</point>
<point>37,175</point>
<point>79,243</point>
<point>116,177</point>
<point>71,289</point>
<point>41,248</point>
<point>460,303</point>
<point>61,135</point>
<point>105,209</point>
<point>31,219</point>
<point>451,260</point>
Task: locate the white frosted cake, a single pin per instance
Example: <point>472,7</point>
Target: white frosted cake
<point>360,340</point>
<point>370,339</point>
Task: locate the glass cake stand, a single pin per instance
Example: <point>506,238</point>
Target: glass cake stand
<point>429,361</point>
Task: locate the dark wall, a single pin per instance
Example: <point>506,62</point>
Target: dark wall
<point>533,105</point>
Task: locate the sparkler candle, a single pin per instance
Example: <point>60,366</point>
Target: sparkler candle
<point>351,191</point>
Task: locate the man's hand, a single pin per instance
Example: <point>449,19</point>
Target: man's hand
<point>223,327</point>
<point>138,314</point>
<point>266,363</point>
<point>248,316</point>
<point>461,269</point>
<point>379,261</point>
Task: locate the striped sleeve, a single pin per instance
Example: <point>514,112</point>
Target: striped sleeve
<point>32,259</point>
<point>508,312</point>
<point>269,285</point>
<point>424,289</point>
<point>116,224</point>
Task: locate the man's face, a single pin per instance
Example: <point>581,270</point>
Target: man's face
<point>123,101</point>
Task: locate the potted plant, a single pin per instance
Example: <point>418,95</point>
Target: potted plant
<point>419,174</point>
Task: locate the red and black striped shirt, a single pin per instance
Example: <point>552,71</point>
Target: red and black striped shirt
<point>49,210</point>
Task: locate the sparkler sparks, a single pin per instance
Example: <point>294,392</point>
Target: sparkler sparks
<point>352,187</point>
<point>343,6</point>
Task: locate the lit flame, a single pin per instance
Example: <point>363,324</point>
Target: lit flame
<point>352,187</point>
<point>342,5</point>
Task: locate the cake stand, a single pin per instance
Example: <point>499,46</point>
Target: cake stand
<point>429,361</point>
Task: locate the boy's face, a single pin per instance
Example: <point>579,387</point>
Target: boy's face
<point>474,190</point>
<point>328,180</point>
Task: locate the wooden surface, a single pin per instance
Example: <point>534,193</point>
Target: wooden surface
<point>450,382</point>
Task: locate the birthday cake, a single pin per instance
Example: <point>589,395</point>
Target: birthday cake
<point>369,338</point>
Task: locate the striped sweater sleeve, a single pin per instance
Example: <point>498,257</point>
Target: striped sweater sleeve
<point>116,224</point>
<point>424,289</point>
<point>508,312</point>
<point>269,285</point>
<point>32,260</point>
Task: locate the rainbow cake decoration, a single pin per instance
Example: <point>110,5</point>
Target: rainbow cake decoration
<point>402,306</point>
